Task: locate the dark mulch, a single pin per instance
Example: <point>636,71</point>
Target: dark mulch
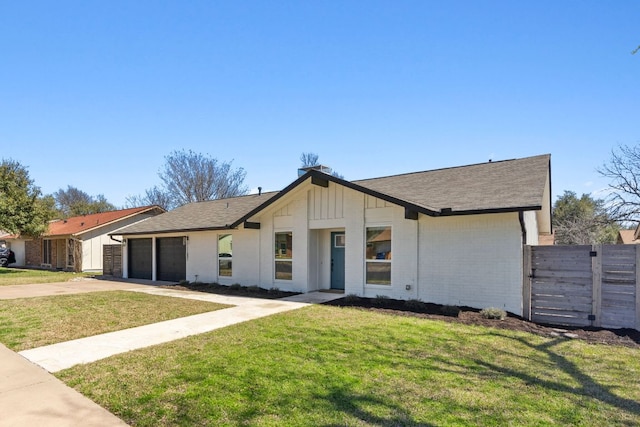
<point>235,290</point>
<point>470,316</point>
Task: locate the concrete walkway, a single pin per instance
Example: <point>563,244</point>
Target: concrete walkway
<point>29,395</point>
<point>56,357</point>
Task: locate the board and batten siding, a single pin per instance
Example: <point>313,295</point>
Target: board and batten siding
<point>473,260</point>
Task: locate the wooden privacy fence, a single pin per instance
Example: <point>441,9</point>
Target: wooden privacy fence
<point>112,260</point>
<point>583,285</point>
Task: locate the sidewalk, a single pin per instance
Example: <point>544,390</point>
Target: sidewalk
<point>29,395</point>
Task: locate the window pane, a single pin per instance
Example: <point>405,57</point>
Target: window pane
<point>224,267</point>
<point>284,245</point>
<point>225,246</point>
<point>378,243</point>
<point>284,270</point>
<point>379,273</point>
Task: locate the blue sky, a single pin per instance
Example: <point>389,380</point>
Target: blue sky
<point>95,94</point>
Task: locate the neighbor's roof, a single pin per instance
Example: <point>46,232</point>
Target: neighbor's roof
<point>83,223</point>
<point>503,186</point>
<point>628,237</point>
<point>209,215</point>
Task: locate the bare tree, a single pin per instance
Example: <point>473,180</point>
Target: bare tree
<point>309,159</point>
<point>623,168</point>
<point>192,177</point>
<point>153,196</point>
<point>74,202</point>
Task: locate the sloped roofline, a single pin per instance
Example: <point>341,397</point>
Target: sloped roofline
<point>426,210</point>
<point>141,210</point>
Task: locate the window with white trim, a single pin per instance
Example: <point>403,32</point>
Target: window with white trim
<point>284,255</point>
<point>225,255</point>
<point>378,256</point>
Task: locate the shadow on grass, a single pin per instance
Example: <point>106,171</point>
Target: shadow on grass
<point>588,387</point>
<point>343,400</point>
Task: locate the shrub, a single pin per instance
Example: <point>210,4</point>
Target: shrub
<point>253,288</point>
<point>414,303</point>
<point>184,282</point>
<point>493,313</point>
<point>380,300</point>
<point>274,290</point>
<point>236,286</point>
<point>450,310</point>
<point>352,298</point>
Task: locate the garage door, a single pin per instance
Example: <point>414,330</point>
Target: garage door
<point>171,253</point>
<point>139,251</point>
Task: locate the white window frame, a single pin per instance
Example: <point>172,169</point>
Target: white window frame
<point>226,258</point>
<point>276,259</point>
<point>381,261</point>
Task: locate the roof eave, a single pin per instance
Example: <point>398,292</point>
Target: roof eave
<point>176,230</point>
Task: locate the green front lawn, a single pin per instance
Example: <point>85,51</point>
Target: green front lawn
<point>34,322</point>
<point>18,276</point>
<point>330,366</point>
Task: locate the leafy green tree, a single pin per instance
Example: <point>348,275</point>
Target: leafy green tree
<point>75,202</point>
<point>22,209</point>
<point>582,221</point>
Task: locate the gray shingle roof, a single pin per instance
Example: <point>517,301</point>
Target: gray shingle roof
<point>508,185</point>
<point>492,186</point>
<point>210,215</point>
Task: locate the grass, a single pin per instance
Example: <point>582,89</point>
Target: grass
<point>33,322</point>
<point>18,276</point>
<point>334,366</point>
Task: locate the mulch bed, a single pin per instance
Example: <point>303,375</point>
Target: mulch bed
<point>234,290</point>
<point>465,315</point>
<point>470,316</point>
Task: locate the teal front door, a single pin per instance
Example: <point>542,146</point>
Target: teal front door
<point>337,260</point>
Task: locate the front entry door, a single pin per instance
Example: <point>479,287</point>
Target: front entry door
<point>337,260</point>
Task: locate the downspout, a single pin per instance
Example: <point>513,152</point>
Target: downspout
<point>115,240</point>
<point>522,227</point>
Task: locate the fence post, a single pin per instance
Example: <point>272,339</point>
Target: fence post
<point>526,282</point>
<point>596,274</point>
<point>637,288</point>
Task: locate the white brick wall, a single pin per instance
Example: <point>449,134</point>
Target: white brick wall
<point>473,260</point>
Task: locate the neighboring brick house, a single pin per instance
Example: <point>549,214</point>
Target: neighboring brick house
<point>448,236</point>
<point>76,243</point>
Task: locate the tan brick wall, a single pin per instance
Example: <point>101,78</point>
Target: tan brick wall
<point>33,252</point>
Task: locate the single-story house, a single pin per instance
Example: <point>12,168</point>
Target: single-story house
<point>449,236</point>
<point>17,244</point>
<point>76,243</point>
<point>629,237</point>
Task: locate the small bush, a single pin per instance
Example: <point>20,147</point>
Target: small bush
<point>236,286</point>
<point>184,282</point>
<point>380,300</point>
<point>493,313</point>
<point>415,304</point>
<point>352,298</point>
<point>450,310</point>
<point>253,288</point>
<point>274,290</point>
